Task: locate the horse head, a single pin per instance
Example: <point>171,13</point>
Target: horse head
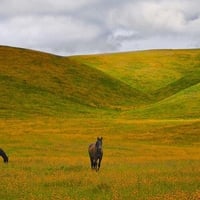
<point>99,144</point>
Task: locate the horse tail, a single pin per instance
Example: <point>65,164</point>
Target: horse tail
<point>4,156</point>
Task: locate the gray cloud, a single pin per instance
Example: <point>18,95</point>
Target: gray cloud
<point>91,26</point>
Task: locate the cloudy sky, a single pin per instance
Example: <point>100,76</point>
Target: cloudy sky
<point>67,27</point>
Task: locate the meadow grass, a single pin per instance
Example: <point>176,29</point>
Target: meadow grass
<point>183,105</point>
<point>143,159</point>
<point>148,71</point>
<point>144,104</point>
<point>147,84</point>
<point>30,78</point>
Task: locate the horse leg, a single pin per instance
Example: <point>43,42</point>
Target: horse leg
<point>95,164</point>
<point>91,161</point>
<point>99,164</point>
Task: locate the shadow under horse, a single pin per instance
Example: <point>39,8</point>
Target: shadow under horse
<point>95,151</point>
<point>4,156</point>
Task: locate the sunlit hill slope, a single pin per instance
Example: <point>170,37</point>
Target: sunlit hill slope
<point>145,84</point>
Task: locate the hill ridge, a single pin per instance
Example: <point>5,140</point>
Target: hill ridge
<point>27,72</point>
<point>173,88</point>
<point>39,83</point>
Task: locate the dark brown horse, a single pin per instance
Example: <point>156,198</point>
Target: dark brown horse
<point>4,156</point>
<point>95,151</point>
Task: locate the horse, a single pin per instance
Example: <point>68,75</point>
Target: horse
<point>95,151</point>
<point>4,156</point>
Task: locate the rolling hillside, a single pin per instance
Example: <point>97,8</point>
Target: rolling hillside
<point>146,106</point>
<point>37,83</point>
<point>169,77</point>
<point>149,71</point>
<point>141,84</point>
<point>183,105</point>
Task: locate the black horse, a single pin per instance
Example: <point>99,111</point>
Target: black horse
<point>95,151</point>
<point>4,156</point>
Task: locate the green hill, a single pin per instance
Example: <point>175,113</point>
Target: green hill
<point>147,71</point>
<point>142,84</point>
<point>36,83</point>
<point>183,105</point>
<point>169,77</point>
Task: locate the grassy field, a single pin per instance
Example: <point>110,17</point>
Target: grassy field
<point>146,106</point>
<point>142,159</point>
<point>150,71</point>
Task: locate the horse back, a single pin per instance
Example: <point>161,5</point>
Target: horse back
<point>91,149</point>
<point>93,152</point>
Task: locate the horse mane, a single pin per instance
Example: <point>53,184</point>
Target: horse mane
<point>4,156</point>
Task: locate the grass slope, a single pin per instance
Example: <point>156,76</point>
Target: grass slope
<point>147,71</point>
<point>155,84</point>
<point>187,81</point>
<point>19,99</point>
<point>38,82</point>
<point>184,104</point>
<point>52,108</point>
<point>163,75</point>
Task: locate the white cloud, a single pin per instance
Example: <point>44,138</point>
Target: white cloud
<point>88,26</point>
<point>20,7</point>
<point>155,22</point>
<point>47,32</point>
<point>149,16</point>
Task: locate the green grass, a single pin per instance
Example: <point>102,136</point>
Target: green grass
<point>170,79</point>
<point>21,100</point>
<point>145,104</point>
<point>147,71</point>
<point>182,105</point>
<point>142,159</point>
<point>36,83</point>
<point>51,76</point>
<point>187,81</point>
